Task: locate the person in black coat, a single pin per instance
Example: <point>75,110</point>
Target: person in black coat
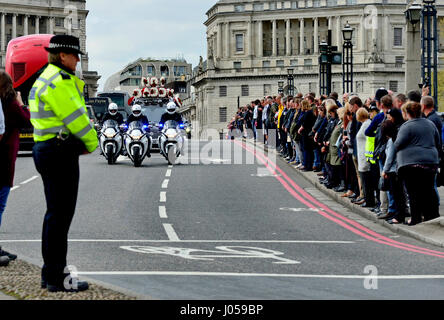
<point>307,143</point>
<point>113,114</point>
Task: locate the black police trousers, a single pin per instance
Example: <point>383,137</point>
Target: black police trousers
<point>58,163</point>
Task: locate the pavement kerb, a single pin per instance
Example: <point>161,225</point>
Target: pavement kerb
<point>112,291</point>
<point>400,229</point>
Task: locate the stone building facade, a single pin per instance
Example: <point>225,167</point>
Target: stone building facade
<point>175,71</point>
<point>23,17</point>
<point>252,43</point>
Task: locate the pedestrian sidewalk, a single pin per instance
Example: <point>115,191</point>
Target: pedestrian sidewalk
<point>4,297</point>
<point>431,232</point>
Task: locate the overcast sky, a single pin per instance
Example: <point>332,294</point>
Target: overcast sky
<point>121,31</point>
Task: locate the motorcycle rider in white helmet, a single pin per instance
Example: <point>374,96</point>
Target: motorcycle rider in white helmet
<point>113,114</point>
<point>137,115</point>
<point>171,114</point>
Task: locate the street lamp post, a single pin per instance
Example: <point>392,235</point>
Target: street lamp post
<point>281,87</point>
<point>323,61</point>
<point>290,82</point>
<point>429,42</point>
<point>413,47</point>
<point>329,56</point>
<point>347,62</point>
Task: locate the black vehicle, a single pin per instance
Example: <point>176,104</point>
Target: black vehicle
<point>154,108</point>
<point>120,98</point>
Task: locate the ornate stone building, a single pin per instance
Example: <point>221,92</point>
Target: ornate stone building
<point>22,17</point>
<point>252,43</point>
<point>175,71</point>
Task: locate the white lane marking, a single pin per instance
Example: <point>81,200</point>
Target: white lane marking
<point>274,275</point>
<point>220,252</point>
<point>15,188</point>
<point>162,212</point>
<point>168,173</point>
<point>172,235</point>
<point>165,184</point>
<point>29,180</point>
<point>194,241</point>
<point>170,167</point>
<point>163,196</point>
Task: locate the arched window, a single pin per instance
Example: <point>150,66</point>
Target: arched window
<point>151,70</point>
<point>164,71</point>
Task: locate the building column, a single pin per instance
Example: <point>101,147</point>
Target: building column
<point>250,38</point>
<point>316,35</point>
<point>388,35</point>
<point>274,45</point>
<point>37,24</point>
<point>301,35</point>
<point>25,25</point>
<point>51,25</point>
<point>362,35</point>
<point>3,34</point>
<point>14,25</point>
<point>288,37</point>
<point>227,39</point>
<point>260,38</point>
<point>219,41</point>
<point>375,34</point>
<point>339,33</point>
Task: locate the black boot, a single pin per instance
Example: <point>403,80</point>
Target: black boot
<point>7,254</point>
<point>4,261</point>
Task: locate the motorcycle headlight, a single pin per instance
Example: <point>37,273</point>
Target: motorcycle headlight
<point>136,134</point>
<point>187,130</point>
<point>110,133</point>
<point>172,136</point>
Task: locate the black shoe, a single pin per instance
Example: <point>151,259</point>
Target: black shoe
<point>4,261</point>
<point>339,189</point>
<point>358,199</point>
<point>77,287</point>
<point>7,254</point>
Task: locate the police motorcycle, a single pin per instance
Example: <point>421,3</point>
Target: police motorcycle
<point>188,129</point>
<point>171,140</point>
<point>137,140</point>
<point>111,141</point>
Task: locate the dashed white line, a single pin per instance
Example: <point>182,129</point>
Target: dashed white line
<point>165,184</point>
<point>163,196</point>
<point>168,173</point>
<point>172,235</point>
<point>29,180</point>
<point>15,188</point>
<point>162,212</point>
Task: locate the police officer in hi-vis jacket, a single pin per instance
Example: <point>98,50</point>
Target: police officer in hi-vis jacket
<point>62,132</point>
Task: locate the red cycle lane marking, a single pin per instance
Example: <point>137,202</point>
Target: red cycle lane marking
<point>377,237</point>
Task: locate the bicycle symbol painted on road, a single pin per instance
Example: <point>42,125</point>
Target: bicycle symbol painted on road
<point>209,255</point>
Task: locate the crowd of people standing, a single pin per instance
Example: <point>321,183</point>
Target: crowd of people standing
<point>383,153</point>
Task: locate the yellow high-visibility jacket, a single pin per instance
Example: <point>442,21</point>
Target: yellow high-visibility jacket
<point>57,106</point>
<point>281,109</point>
<point>370,149</point>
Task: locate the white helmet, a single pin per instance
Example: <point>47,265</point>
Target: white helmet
<point>136,110</point>
<point>112,108</point>
<point>171,107</point>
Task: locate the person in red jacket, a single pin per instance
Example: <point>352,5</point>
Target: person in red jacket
<point>16,116</point>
